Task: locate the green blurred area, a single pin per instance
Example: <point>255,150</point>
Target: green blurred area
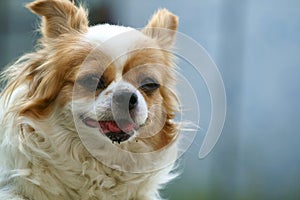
<point>196,193</point>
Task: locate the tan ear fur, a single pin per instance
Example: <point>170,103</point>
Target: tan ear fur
<point>59,17</point>
<point>162,27</point>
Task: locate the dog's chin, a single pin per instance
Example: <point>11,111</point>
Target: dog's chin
<point>117,131</point>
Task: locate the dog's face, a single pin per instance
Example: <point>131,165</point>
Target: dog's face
<point>121,94</point>
<point>116,81</point>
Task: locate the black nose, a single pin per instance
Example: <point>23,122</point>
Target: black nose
<point>133,101</point>
<point>124,98</point>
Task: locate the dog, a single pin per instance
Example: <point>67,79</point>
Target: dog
<point>90,113</point>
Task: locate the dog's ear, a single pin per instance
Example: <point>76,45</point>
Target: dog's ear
<point>59,17</point>
<point>162,27</point>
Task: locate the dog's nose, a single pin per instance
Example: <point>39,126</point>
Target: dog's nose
<point>124,98</point>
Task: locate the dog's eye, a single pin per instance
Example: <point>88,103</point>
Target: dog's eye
<point>149,85</point>
<point>93,82</point>
<point>101,83</point>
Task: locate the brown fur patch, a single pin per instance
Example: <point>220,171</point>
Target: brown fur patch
<point>60,17</point>
<point>162,27</point>
<point>57,72</point>
<point>51,70</point>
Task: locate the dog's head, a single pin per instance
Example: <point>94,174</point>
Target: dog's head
<point>116,81</point>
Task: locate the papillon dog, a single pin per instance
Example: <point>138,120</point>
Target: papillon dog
<point>90,113</point>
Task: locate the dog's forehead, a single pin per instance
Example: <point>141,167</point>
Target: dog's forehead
<point>102,32</point>
<point>117,41</point>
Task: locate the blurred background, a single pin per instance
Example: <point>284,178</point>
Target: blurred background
<point>256,46</point>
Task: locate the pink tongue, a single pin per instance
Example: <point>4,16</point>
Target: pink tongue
<point>111,126</point>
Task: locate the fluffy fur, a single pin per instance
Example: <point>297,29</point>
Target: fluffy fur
<point>42,155</point>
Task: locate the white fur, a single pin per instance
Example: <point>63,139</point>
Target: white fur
<point>116,41</point>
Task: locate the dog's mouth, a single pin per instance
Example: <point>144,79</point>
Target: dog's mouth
<point>112,129</point>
